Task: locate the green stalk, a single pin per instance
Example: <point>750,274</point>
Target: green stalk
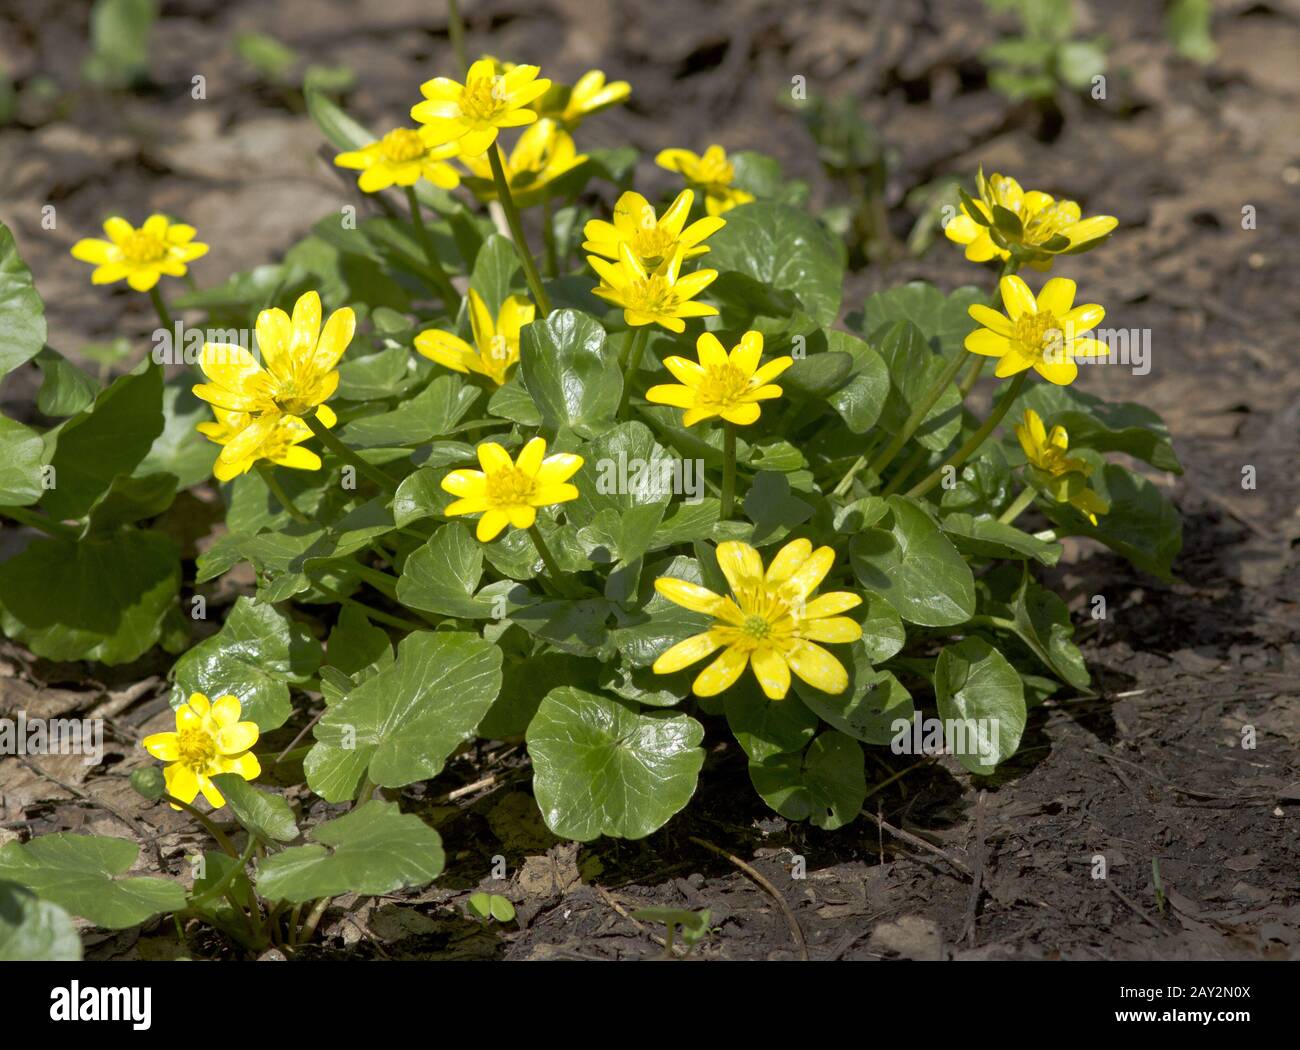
<point>517,232</point>
<point>456,30</point>
<point>1018,506</point>
<point>902,473</point>
<point>347,455</point>
<point>976,440</point>
<point>267,473</point>
<point>442,283</point>
<point>548,239</point>
<point>39,521</point>
<point>728,469</point>
<point>554,572</point>
<point>222,840</point>
<point>160,307</point>
<point>918,414</point>
<point>633,362</point>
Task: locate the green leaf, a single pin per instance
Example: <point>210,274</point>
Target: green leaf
<point>602,768</point>
<point>80,874</point>
<point>694,924</point>
<point>1141,524</point>
<point>511,401</point>
<point>403,723</point>
<point>33,930</point>
<point>130,499</point>
<point>432,413</point>
<point>983,486</point>
<point>22,314</point>
<point>491,906</point>
<point>914,567</point>
<point>941,319</point>
<point>93,599</point>
<point>525,680</point>
<point>571,371</point>
<point>65,388</point>
<point>355,645</point>
<point>883,633</point>
<point>263,814</point>
<point>784,248</point>
<point>826,784</point>
<point>106,440</point>
<point>22,454</point>
<point>373,850</point>
<point>975,686</point>
<point>180,450</point>
<point>987,538</point>
<point>766,727</point>
<point>495,268</point>
<point>1102,426</point>
<point>443,576</point>
<point>913,370</point>
<point>255,656</point>
<point>1043,622</point>
<point>860,400</point>
<point>866,710</point>
<point>817,375</point>
<point>772,506</point>
<point>660,624</point>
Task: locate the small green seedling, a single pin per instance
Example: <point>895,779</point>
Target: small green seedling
<point>487,906</point>
<point>694,924</point>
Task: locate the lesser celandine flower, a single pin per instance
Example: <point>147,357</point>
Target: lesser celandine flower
<point>141,257</point>
<point>1049,227</point>
<point>496,342</point>
<point>471,114</point>
<point>653,238</point>
<point>1044,334</point>
<point>711,174</point>
<point>509,492</point>
<point>402,157</point>
<point>721,385</point>
<point>1062,477</point>
<point>209,739</point>
<point>300,358</point>
<point>770,624</point>
<point>543,153</point>
<point>663,297</point>
<point>273,436</point>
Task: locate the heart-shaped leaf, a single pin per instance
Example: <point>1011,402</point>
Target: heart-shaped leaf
<point>266,815</point>
<point>22,314</point>
<point>34,930</point>
<point>826,784</point>
<point>571,371</point>
<point>981,698</point>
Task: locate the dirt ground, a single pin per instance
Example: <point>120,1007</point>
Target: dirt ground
<point>1198,833</point>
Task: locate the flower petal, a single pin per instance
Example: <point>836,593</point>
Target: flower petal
<point>740,564</point>
<point>772,672</point>
<point>818,668</point>
<point>722,673</point>
<point>688,595</point>
<point>687,652</point>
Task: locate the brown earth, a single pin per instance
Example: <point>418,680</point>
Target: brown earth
<point>1152,776</point>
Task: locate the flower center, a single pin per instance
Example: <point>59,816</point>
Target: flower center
<point>290,400</point>
<point>756,627</point>
<point>714,172</point>
<point>652,242</point>
<point>510,487</point>
<point>1046,223</point>
<point>1039,335</point>
<point>141,247</point>
<point>197,749</point>
<point>479,102</point>
<point>651,295</point>
<point>723,385</point>
<point>401,145</point>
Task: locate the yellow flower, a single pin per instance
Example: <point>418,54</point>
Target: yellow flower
<point>1062,477</point>
<point>273,436</point>
<point>141,256</point>
<point>496,344</point>
<point>590,95</point>
<point>300,360</point>
<point>542,154</point>
<point>770,624</point>
<point>1043,334</point>
<point>471,114</point>
<point>712,174</point>
<point>1050,227</point>
<point>209,739</point>
<point>653,239</point>
<point>730,387</point>
<point>509,493</point>
<point>404,157</point>
<point>663,297</point>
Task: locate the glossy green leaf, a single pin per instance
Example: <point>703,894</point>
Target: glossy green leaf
<point>22,454</point>
<point>913,369</point>
<point>34,930</point>
<point>980,695</point>
<point>943,320</point>
<point>987,538</point>
<point>826,784</point>
<point>373,850</point>
<point>866,710</point>
<point>266,815</point>
<point>65,388</point>
<point>766,727</point>
<point>432,413</point>
<point>571,371</point>
<point>602,768</point>
<point>22,314</point>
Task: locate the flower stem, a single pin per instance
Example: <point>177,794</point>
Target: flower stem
<point>39,521</point>
<point>517,232</point>
<point>918,414</point>
<point>1018,506</point>
<point>277,490</point>
<point>548,239</point>
<point>728,469</point>
<point>456,30</point>
<point>160,307</point>
<point>222,840</point>
<point>976,439</point>
<point>902,473</point>
<point>554,572</point>
<point>442,283</point>
<point>630,356</point>
<point>347,455</point>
